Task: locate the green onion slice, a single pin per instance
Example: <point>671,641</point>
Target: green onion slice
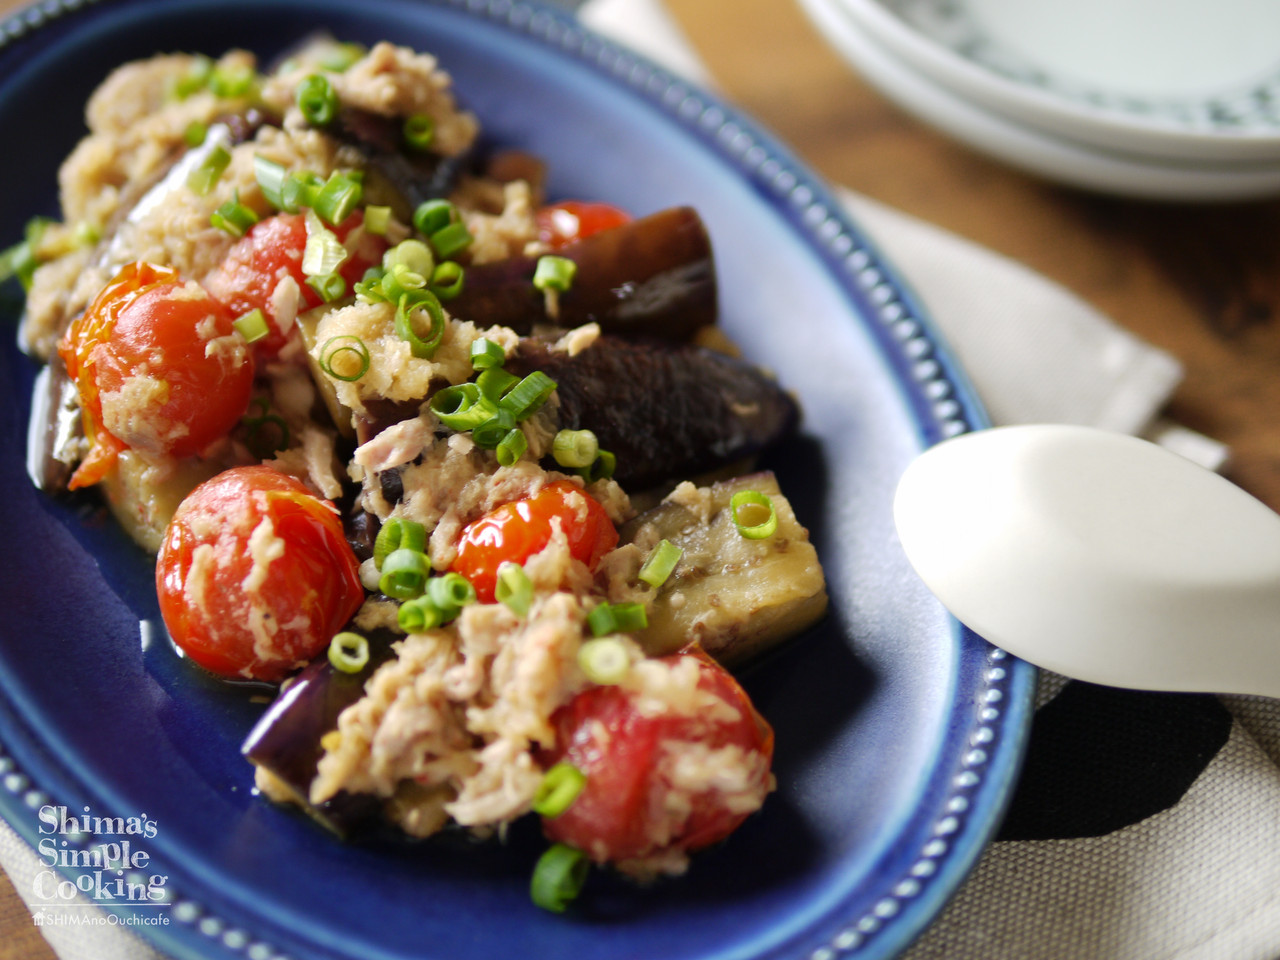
<point>560,786</point>
<point>404,574</point>
<point>753,514</point>
<point>419,130</point>
<point>341,56</point>
<point>558,877</point>
<point>338,198</point>
<point>604,660</point>
<point>495,383</point>
<point>660,563</point>
<point>349,652</point>
<point>451,592</point>
<point>414,255</point>
<point>511,447</point>
<point>271,177</point>
<point>527,396</point>
<point>300,190</point>
<point>252,325</point>
<point>397,533</point>
<point>447,279</point>
<point>344,357</point>
<point>489,434</point>
<point>411,305</point>
<point>575,448</point>
<point>419,615</point>
<point>233,216</point>
<point>486,354</point>
<point>554,273</point>
<point>317,100</point>
<point>433,215</point>
<point>234,81</point>
<point>195,79</point>
<point>324,252</point>
<point>601,468</point>
<point>514,589</point>
<point>461,407</point>
<point>377,219</point>
<point>195,133</point>
<point>201,179</point>
<point>451,240</point>
<point>330,286</point>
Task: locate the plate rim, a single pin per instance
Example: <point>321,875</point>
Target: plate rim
<point>929,380</point>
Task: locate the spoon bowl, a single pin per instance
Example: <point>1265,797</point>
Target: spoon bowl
<point>1099,556</point>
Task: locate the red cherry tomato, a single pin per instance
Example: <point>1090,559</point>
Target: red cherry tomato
<point>255,575</point>
<point>272,250</point>
<point>516,531</point>
<point>563,223</point>
<point>623,812</point>
<point>159,368</point>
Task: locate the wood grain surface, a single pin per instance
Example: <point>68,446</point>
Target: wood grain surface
<point>1202,281</point>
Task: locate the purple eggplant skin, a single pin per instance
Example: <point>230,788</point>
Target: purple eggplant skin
<point>666,411</point>
<point>653,277</point>
<point>286,739</point>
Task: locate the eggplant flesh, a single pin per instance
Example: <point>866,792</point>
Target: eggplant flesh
<point>666,411</point>
<point>653,277</point>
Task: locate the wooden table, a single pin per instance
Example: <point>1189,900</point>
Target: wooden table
<point>1201,281</point>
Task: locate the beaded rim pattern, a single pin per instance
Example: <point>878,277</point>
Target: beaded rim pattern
<point>944,406</point>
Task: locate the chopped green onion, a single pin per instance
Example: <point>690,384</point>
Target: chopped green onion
<point>527,396</point>
<point>489,434</point>
<point>202,178</point>
<point>419,130</point>
<point>195,79</point>
<point>330,286</point>
<point>86,234</point>
<point>511,447</point>
<point>486,354</point>
<point>339,57</point>
<point>324,252</point>
<point>560,786</point>
<point>447,279</point>
<point>514,589</point>
<point>451,239</point>
<point>452,590</point>
<point>607,618</point>
<point>349,652</point>
<point>495,383</point>
<point>404,574</point>
<point>234,81</point>
<point>317,100</point>
<point>233,216</point>
<point>271,177</point>
<point>419,615</point>
<point>433,215</point>
<point>554,273</point>
<point>660,563</point>
<point>369,288</point>
<point>344,357</point>
<point>195,133</point>
<point>558,877</point>
<point>575,448</point>
<point>377,219</point>
<point>300,190</point>
<point>599,469</point>
<point>252,325</point>
<point>411,304</point>
<point>414,255</point>
<point>461,407</point>
<point>338,198</point>
<point>397,533</point>
<point>753,514</point>
<point>19,261</point>
<point>604,660</point>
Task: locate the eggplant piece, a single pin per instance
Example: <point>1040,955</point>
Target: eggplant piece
<point>55,430</point>
<point>286,740</point>
<point>735,596</point>
<point>416,176</point>
<point>653,277</point>
<point>665,410</point>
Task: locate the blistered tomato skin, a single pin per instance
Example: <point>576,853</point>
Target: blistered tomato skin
<point>255,575</point>
<point>272,250</point>
<point>516,531</point>
<point>159,368</point>
<point>625,810</point>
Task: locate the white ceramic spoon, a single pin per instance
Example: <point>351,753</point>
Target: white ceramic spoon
<point>1099,556</point>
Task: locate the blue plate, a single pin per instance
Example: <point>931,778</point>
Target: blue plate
<point>898,732</point>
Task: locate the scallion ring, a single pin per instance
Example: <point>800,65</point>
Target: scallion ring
<point>527,396</point>
<point>202,178</point>
<point>233,216</point>
<point>495,382</point>
<point>605,660</point>
<point>412,254</point>
<point>349,652</point>
<point>419,130</point>
<point>433,215</point>
<point>486,354</point>
<point>233,81</point>
<point>419,615</point>
<point>450,240</point>
<point>344,357</point>
<point>404,574</point>
<point>330,286</point>
<point>601,468</point>
<point>338,198</point>
<point>447,279</point>
<point>451,592</point>
<point>511,447</point>
<point>660,563</point>
<point>493,431</point>
<point>410,305</point>
<point>317,100</point>
<point>397,533</point>
<point>514,589</point>
<point>753,514</point>
<point>300,190</point>
<point>554,273</point>
<point>558,877</point>
<point>575,448</point>
<point>377,219</point>
<point>461,407</point>
<point>252,325</point>
<point>558,789</point>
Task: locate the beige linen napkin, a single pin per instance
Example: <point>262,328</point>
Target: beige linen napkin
<point>1035,353</point>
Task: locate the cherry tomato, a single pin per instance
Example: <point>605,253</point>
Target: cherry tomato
<point>272,250</point>
<point>563,223</point>
<point>254,574</point>
<point>623,810</point>
<point>516,531</point>
<point>159,368</point>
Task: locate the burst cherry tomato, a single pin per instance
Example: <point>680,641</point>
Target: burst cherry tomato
<point>272,250</point>
<point>628,756</point>
<point>159,368</point>
<point>516,531</point>
<point>562,223</point>
<point>255,575</point>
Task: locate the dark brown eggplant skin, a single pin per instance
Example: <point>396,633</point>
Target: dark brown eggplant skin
<point>653,277</point>
<point>415,176</point>
<point>666,411</point>
<point>286,739</point>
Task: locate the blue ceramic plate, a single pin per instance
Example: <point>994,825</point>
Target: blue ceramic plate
<point>898,733</point>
